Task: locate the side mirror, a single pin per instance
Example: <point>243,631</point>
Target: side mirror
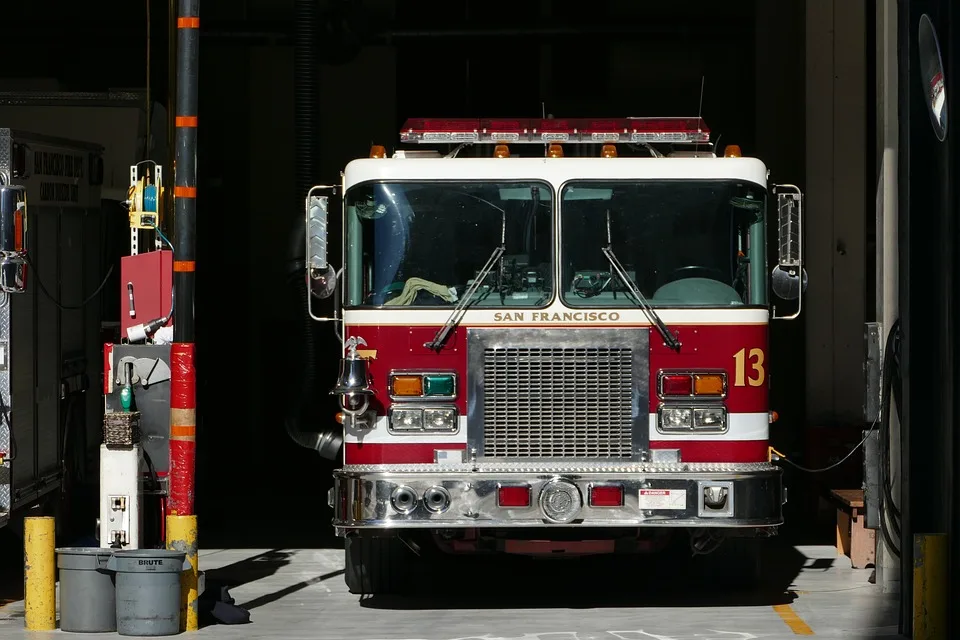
<point>789,278</point>
<point>321,275</point>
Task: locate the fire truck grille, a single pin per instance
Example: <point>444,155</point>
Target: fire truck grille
<point>557,403</point>
<point>552,394</point>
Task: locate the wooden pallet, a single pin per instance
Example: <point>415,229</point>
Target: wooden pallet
<point>853,539</point>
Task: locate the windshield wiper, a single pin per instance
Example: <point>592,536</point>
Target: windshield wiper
<point>468,296</point>
<point>671,340</point>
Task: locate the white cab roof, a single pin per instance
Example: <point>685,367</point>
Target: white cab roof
<point>554,170</point>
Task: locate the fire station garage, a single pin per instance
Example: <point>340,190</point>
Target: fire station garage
<point>394,320</point>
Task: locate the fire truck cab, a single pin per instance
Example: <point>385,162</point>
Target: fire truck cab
<point>555,339</point>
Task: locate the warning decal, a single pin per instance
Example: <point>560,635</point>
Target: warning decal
<point>663,499</point>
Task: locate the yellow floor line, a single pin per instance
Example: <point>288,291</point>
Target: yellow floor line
<point>792,620</point>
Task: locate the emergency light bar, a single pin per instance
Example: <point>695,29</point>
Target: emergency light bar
<point>548,130</point>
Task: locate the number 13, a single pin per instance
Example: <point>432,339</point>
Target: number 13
<point>756,368</point>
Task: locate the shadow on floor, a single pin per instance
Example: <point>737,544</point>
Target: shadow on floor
<point>217,606</point>
<point>257,568</point>
<point>268,598</point>
<point>249,569</point>
<point>659,580</point>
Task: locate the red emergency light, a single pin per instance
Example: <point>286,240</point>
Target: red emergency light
<point>606,495</point>
<point>516,496</point>
<point>549,130</point>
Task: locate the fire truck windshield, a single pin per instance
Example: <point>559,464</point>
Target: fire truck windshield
<point>683,242</point>
<point>423,243</point>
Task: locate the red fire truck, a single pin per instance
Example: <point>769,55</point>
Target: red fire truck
<point>555,339</point>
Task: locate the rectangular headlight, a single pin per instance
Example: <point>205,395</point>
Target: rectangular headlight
<point>709,418</point>
<point>440,419</point>
<point>406,420</point>
<point>676,418</point>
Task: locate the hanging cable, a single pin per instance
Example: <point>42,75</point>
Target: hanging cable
<point>61,306</point>
<point>889,398</point>
<point>780,457</point>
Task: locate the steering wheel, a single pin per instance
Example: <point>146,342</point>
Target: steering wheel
<point>691,270</point>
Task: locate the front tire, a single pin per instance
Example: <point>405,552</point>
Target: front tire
<point>377,565</point>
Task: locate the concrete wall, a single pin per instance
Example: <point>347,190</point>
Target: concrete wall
<point>836,145</point>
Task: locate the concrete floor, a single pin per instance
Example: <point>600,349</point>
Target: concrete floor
<point>297,594</point>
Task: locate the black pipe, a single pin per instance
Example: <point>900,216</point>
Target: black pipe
<point>280,33</point>
<point>286,31</point>
<point>307,96</point>
<point>329,441</point>
<point>185,176</point>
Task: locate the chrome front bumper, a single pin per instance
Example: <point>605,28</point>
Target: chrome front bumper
<point>365,496</point>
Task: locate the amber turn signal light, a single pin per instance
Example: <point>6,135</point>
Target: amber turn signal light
<point>708,385</point>
<point>410,386</point>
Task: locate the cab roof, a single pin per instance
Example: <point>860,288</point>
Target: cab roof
<point>554,170</point>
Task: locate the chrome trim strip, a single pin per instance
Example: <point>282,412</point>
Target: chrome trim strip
<point>587,466</point>
<point>364,500</point>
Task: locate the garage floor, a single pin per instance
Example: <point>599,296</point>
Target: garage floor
<point>300,593</point>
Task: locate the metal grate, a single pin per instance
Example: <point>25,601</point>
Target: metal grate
<point>557,402</point>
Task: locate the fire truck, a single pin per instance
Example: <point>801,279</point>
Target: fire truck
<point>555,340</point>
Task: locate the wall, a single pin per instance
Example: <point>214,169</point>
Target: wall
<point>836,130</point>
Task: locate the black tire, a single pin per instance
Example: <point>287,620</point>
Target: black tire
<point>377,565</point>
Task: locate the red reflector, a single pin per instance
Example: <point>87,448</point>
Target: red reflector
<point>676,385</point>
<point>606,496</point>
<point>513,496</point>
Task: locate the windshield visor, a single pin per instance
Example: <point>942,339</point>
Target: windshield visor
<point>422,244</point>
<point>684,243</point>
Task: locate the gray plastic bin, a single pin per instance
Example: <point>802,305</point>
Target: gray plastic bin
<point>87,593</point>
<point>148,591</point>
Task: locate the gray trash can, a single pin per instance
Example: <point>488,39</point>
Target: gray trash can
<point>87,593</point>
<point>148,591</point>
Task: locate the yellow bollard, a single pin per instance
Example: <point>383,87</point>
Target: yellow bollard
<point>930,584</point>
<point>182,536</point>
<point>39,574</point>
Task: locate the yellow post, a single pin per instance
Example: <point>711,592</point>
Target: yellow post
<point>930,557</point>
<point>39,574</point>
<point>182,536</point>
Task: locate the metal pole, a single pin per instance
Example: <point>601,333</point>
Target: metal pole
<point>930,582</point>
<point>182,537</point>
<point>183,387</point>
<point>888,292</point>
<point>39,574</point>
